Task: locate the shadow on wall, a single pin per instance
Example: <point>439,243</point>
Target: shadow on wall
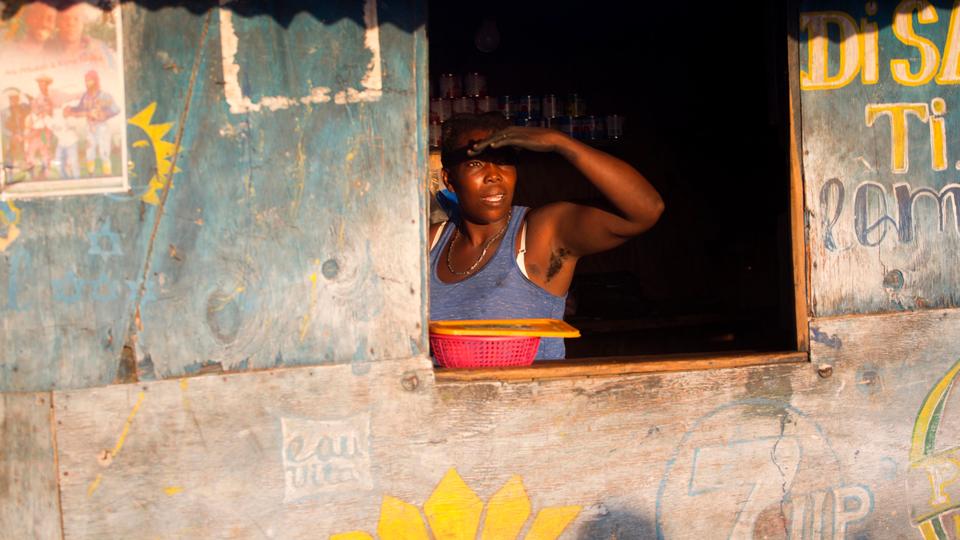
<point>618,524</point>
<point>281,11</point>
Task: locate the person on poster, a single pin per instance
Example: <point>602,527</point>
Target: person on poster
<point>97,106</point>
<point>39,139</point>
<point>67,130</point>
<point>72,44</point>
<point>39,20</point>
<point>14,131</point>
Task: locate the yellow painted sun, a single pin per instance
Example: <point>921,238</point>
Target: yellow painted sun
<point>163,151</point>
<point>453,512</point>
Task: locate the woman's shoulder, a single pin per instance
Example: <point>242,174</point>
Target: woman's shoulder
<point>519,214</point>
<point>435,230</point>
<point>438,226</point>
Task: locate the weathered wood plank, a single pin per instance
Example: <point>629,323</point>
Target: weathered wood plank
<point>209,457</point>
<point>798,238</point>
<point>29,498</point>
<point>606,367</point>
<point>69,283</point>
<point>764,451</point>
<point>320,201</point>
<point>286,235</point>
<point>898,363</point>
<point>882,234</point>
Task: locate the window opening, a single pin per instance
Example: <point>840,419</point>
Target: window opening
<point>697,100</point>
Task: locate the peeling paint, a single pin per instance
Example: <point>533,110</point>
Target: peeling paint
<point>372,82</point>
<point>239,103</point>
<point>198,368</point>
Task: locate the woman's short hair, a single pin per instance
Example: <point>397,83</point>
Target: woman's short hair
<point>459,124</point>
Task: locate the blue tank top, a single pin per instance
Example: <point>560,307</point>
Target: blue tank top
<point>497,291</point>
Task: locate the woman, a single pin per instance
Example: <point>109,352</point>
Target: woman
<point>499,261</point>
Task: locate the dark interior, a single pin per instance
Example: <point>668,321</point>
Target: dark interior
<point>703,89</point>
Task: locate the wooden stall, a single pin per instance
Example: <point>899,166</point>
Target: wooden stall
<point>228,338</point>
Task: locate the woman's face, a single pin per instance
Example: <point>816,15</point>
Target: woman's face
<point>484,187</point>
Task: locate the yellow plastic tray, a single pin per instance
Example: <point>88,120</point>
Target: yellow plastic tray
<point>505,327</point>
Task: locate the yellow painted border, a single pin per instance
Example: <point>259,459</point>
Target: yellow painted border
<point>925,418</point>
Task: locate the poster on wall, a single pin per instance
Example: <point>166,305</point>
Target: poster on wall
<point>62,101</point>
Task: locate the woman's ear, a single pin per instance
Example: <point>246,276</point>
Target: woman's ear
<point>445,177</point>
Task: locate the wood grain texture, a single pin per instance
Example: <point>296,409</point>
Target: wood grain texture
<point>798,236</point>
<point>849,445</point>
<point>71,281</point>
<point>751,451</point>
<point>874,248</point>
<point>29,499</point>
<point>235,455</point>
<point>286,235</point>
<point>298,249</point>
<point>619,365</point>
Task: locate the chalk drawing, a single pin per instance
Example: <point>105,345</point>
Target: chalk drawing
<point>103,289</point>
<point>325,456</point>
<point>889,468</point>
<point>163,152</point>
<point>454,511</point>
<point>105,235</point>
<point>715,465</point>
<point>763,468</point>
<point>827,513</point>
<point>68,289</point>
<point>72,288</point>
<point>371,84</point>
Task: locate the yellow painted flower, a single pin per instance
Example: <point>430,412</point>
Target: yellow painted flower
<point>453,512</point>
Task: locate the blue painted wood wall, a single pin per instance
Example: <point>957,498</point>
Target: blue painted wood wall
<point>290,233</point>
<point>879,238</point>
<point>294,236</point>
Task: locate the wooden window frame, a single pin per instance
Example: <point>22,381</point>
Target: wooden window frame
<point>665,363</point>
